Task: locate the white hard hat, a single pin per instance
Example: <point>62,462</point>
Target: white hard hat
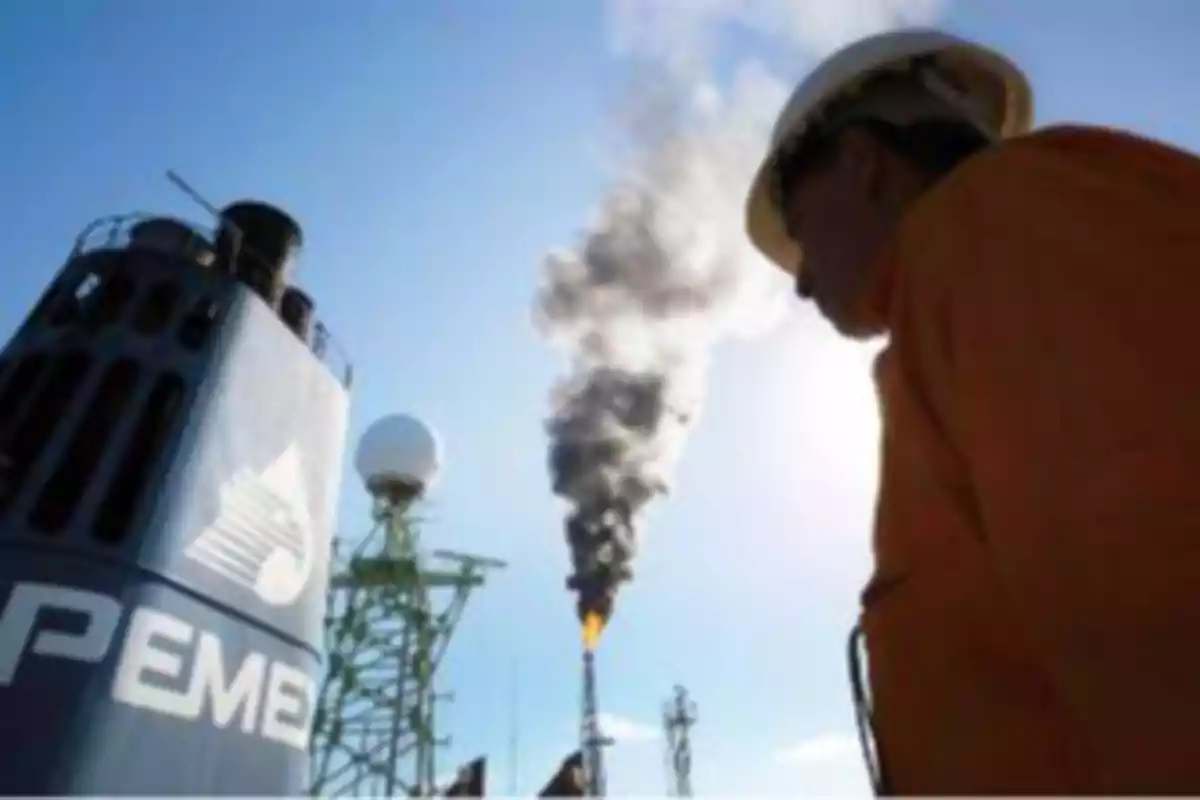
<point>980,84</point>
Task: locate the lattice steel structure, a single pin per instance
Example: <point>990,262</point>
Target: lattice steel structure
<point>390,619</point>
<point>679,715</point>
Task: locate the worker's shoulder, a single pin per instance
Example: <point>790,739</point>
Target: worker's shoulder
<point>1054,159</point>
<point>1054,174</point>
<point>1019,207</point>
<point>1092,147</point>
<point>1077,137</point>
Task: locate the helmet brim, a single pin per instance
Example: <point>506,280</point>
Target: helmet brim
<point>764,221</point>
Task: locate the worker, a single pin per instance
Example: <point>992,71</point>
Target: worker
<point>1033,621</point>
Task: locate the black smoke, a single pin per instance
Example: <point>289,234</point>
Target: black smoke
<point>666,271</point>
<point>635,316</point>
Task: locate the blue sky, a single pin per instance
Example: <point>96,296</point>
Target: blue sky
<point>434,152</point>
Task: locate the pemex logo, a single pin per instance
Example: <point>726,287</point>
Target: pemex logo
<point>262,538</point>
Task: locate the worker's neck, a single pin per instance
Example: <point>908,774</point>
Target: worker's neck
<point>906,188</point>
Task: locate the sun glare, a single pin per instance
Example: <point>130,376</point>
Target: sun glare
<point>835,406</point>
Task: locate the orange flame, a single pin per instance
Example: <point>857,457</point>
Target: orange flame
<point>592,625</point>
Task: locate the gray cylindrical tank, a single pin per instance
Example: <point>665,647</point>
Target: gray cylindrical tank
<point>258,242</point>
<point>296,310</point>
<point>171,236</point>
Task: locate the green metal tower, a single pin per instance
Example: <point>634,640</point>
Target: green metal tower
<point>391,614</point>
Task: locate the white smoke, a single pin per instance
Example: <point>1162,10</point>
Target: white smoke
<point>682,34</point>
<point>712,131</point>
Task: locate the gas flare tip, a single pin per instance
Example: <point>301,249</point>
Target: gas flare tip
<point>593,624</point>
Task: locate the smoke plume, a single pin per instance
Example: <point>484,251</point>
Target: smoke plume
<point>664,272</point>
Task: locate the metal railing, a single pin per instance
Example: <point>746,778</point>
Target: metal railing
<point>113,232</point>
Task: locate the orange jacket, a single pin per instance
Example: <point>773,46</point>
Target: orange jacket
<point>1034,621</point>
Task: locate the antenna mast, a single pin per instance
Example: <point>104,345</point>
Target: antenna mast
<point>514,752</point>
<point>679,715</point>
<point>391,615</point>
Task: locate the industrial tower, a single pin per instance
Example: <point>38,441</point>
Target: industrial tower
<point>679,715</point>
<point>171,439</point>
<point>592,738</point>
<point>390,619</point>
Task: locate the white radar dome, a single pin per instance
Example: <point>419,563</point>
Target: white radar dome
<point>398,450</point>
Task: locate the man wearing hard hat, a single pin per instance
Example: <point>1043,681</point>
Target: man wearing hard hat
<point>1033,624</point>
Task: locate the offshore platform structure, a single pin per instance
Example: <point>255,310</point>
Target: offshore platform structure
<point>679,715</point>
<point>390,618</point>
<point>171,440</point>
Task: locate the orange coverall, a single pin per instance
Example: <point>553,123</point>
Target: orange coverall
<point>1033,624</point>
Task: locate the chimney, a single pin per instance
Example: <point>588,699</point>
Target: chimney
<point>257,242</point>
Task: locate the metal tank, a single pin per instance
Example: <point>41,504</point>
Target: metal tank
<point>170,455</point>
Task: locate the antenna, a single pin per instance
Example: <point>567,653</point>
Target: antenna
<point>392,612</point>
<point>187,189</point>
<point>514,732</point>
<point>679,715</point>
